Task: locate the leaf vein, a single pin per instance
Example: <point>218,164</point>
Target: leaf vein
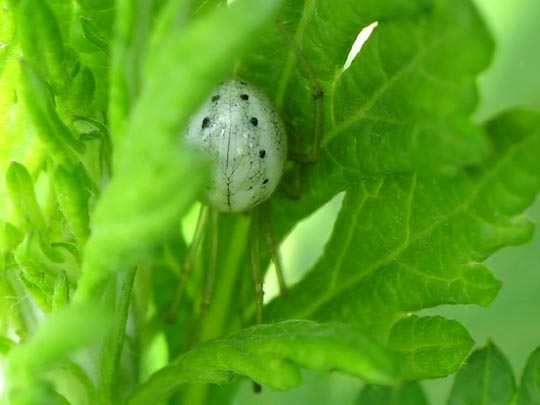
<point>493,171</point>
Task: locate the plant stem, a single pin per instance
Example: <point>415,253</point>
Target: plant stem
<point>217,321</point>
<point>113,343</point>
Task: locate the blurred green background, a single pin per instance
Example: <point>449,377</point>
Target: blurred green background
<point>513,320</point>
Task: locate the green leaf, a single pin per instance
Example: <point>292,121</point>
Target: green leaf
<point>40,392</point>
<point>272,355</point>
<point>128,49</point>
<point>95,5</point>
<point>171,13</point>
<point>431,346</point>
<point>379,124</point>
<point>80,326</point>
<point>423,65</point>
<point>41,42</point>
<point>82,90</point>
<point>49,126</point>
<point>13,236</point>
<point>96,19</point>
<point>126,227</point>
<point>407,393</point>
<point>72,198</point>
<point>486,378</point>
<point>41,265</point>
<point>60,298</point>
<point>64,15</point>
<point>96,131</point>
<point>108,386</point>
<point>21,191</point>
<point>93,35</point>
<point>7,36</point>
<point>46,258</point>
<point>409,242</point>
<point>406,93</point>
<point>10,237</point>
<point>529,388</point>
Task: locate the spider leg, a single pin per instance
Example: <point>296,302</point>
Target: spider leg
<point>187,265</point>
<point>256,271</point>
<point>272,248</point>
<point>210,275</point>
<point>314,153</point>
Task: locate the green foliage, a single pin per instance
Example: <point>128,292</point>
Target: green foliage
<point>28,360</point>
<point>43,47</point>
<point>408,393</point>
<point>529,388</point>
<point>99,187</point>
<point>21,191</point>
<point>281,347</point>
<point>485,378</point>
<point>52,131</point>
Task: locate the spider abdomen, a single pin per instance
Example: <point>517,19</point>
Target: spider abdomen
<point>242,133</point>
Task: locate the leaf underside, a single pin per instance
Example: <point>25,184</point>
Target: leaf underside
<point>429,195</point>
<point>272,355</point>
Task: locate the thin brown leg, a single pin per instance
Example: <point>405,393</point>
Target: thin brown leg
<point>314,153</point>
<point>256,271</point>
<point>187,266</point>
<point>273,248</point>
<point>210,276</point>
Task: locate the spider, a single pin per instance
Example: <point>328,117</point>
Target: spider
<point>242,133</point>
